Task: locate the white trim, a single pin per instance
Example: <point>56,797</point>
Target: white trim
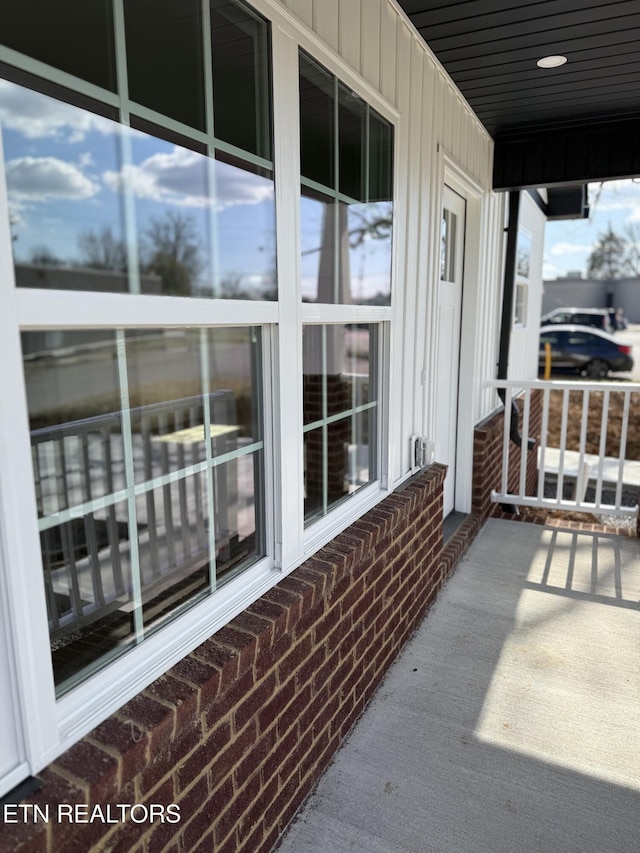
<point>311,43</point>
<point>35,699</point>
<point>288,405</point>
<point>455,177</point>
<point>313,313</point>
<point>40,309</point>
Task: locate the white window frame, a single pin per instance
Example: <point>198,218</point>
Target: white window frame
<point>51,726</point>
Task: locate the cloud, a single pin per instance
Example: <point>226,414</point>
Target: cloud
<point>37,116</point>
<point>38,179</point>
<point>182,178</point>
<point>561,249</point>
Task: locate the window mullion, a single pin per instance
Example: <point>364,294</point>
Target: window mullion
<point>288,426</point>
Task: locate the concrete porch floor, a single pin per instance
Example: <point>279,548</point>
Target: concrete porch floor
<point>511,721</point>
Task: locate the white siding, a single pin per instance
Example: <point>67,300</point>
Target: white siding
<point>523,350</point>
<point>375,39</point>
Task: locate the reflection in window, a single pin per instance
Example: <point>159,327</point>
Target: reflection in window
<point>241,77</point>
<point>346,207</point>
<point>205,226</point>
<point>448,245</point>
<point>340,400</point>
<point>72,35</point>
<point>523,268</point>
<point>147,452</point>
<point>165,65</point>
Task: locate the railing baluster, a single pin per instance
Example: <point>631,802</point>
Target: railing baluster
<point>604,424</point>
<point>623,447</point>
<point>563,443</point>
<point>505,441</point>
<point>543,442</point>
<point>525,442</point>
<point>113,535</point>
<point>150,502</point>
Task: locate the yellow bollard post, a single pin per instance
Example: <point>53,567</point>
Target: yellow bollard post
<point>547,360</point>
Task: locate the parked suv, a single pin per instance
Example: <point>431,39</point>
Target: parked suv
<point>600,318</point>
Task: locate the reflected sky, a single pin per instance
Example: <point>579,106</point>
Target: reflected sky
<point>365,267</point>
<point>67,173</point>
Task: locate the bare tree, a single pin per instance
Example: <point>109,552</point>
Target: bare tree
<point>102,250</point>
<point>172,250</point>
<point>614,255</point>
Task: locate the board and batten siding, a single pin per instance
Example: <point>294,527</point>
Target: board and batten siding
<point>376,40</point>
<point>523,349</point>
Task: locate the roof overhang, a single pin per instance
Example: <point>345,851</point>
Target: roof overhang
<point>572,124</point>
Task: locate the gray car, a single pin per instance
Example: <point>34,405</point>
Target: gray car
<point>584,350</point>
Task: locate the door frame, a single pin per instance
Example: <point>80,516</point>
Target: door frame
<point>456,178</point>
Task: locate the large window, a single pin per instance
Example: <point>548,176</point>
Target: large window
<point>181,202</point>
<point>181,414</point>
<point>147,452</point>
<point>346,154</point>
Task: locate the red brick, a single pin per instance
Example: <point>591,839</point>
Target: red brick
<point>254,701</point>
<point>124,740</point>
<point>223,764</point>
<point>184,698</point>
<point>155,719</point>
<point>201,675</point>
<point>273,708</point>
<point>93,767</point>
<point>204,809</point>
<point>245,644</point>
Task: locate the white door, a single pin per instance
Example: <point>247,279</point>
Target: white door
<point>449,317</point>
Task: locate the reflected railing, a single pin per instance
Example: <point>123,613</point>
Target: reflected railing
<point>84,492</point>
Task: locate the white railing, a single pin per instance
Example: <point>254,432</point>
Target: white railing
<point>580,446</point>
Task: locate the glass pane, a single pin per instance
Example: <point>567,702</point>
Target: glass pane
<point>317,122</point>
<point>380,159</point>
<point>164,58</point>
<point>340,413</point>
<point>75,36</point>
<point>165,394</point>
<point>87,577</point>
<point>448,246</point>
<point>360,366</point>
<point>244,237</point>
<point>317,233</point>
<point>239,532</point>
<point>173,216</point>
<point>314,479</point>
<point>352,115</point>
<point>368,273</point>
<point>67,224</point>
<point>241,78</point>
<point>337,461</point>
<point>361,451</point>
<point>205,227</point>
<point>114,410</point>
<point>352,144</point>
<point>173,543</point>
<point>73,398</point>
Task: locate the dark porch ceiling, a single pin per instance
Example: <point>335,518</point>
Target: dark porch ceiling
<point>570,124</point>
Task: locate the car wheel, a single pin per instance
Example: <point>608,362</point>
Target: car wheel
<point>595,369</point>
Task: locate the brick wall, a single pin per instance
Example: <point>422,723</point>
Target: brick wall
<point>487,459</point>
<point>240,730</point>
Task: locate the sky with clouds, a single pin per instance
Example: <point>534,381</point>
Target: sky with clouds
<point>568,243</point>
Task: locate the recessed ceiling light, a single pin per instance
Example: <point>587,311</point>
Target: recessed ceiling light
<point>551,61</point>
